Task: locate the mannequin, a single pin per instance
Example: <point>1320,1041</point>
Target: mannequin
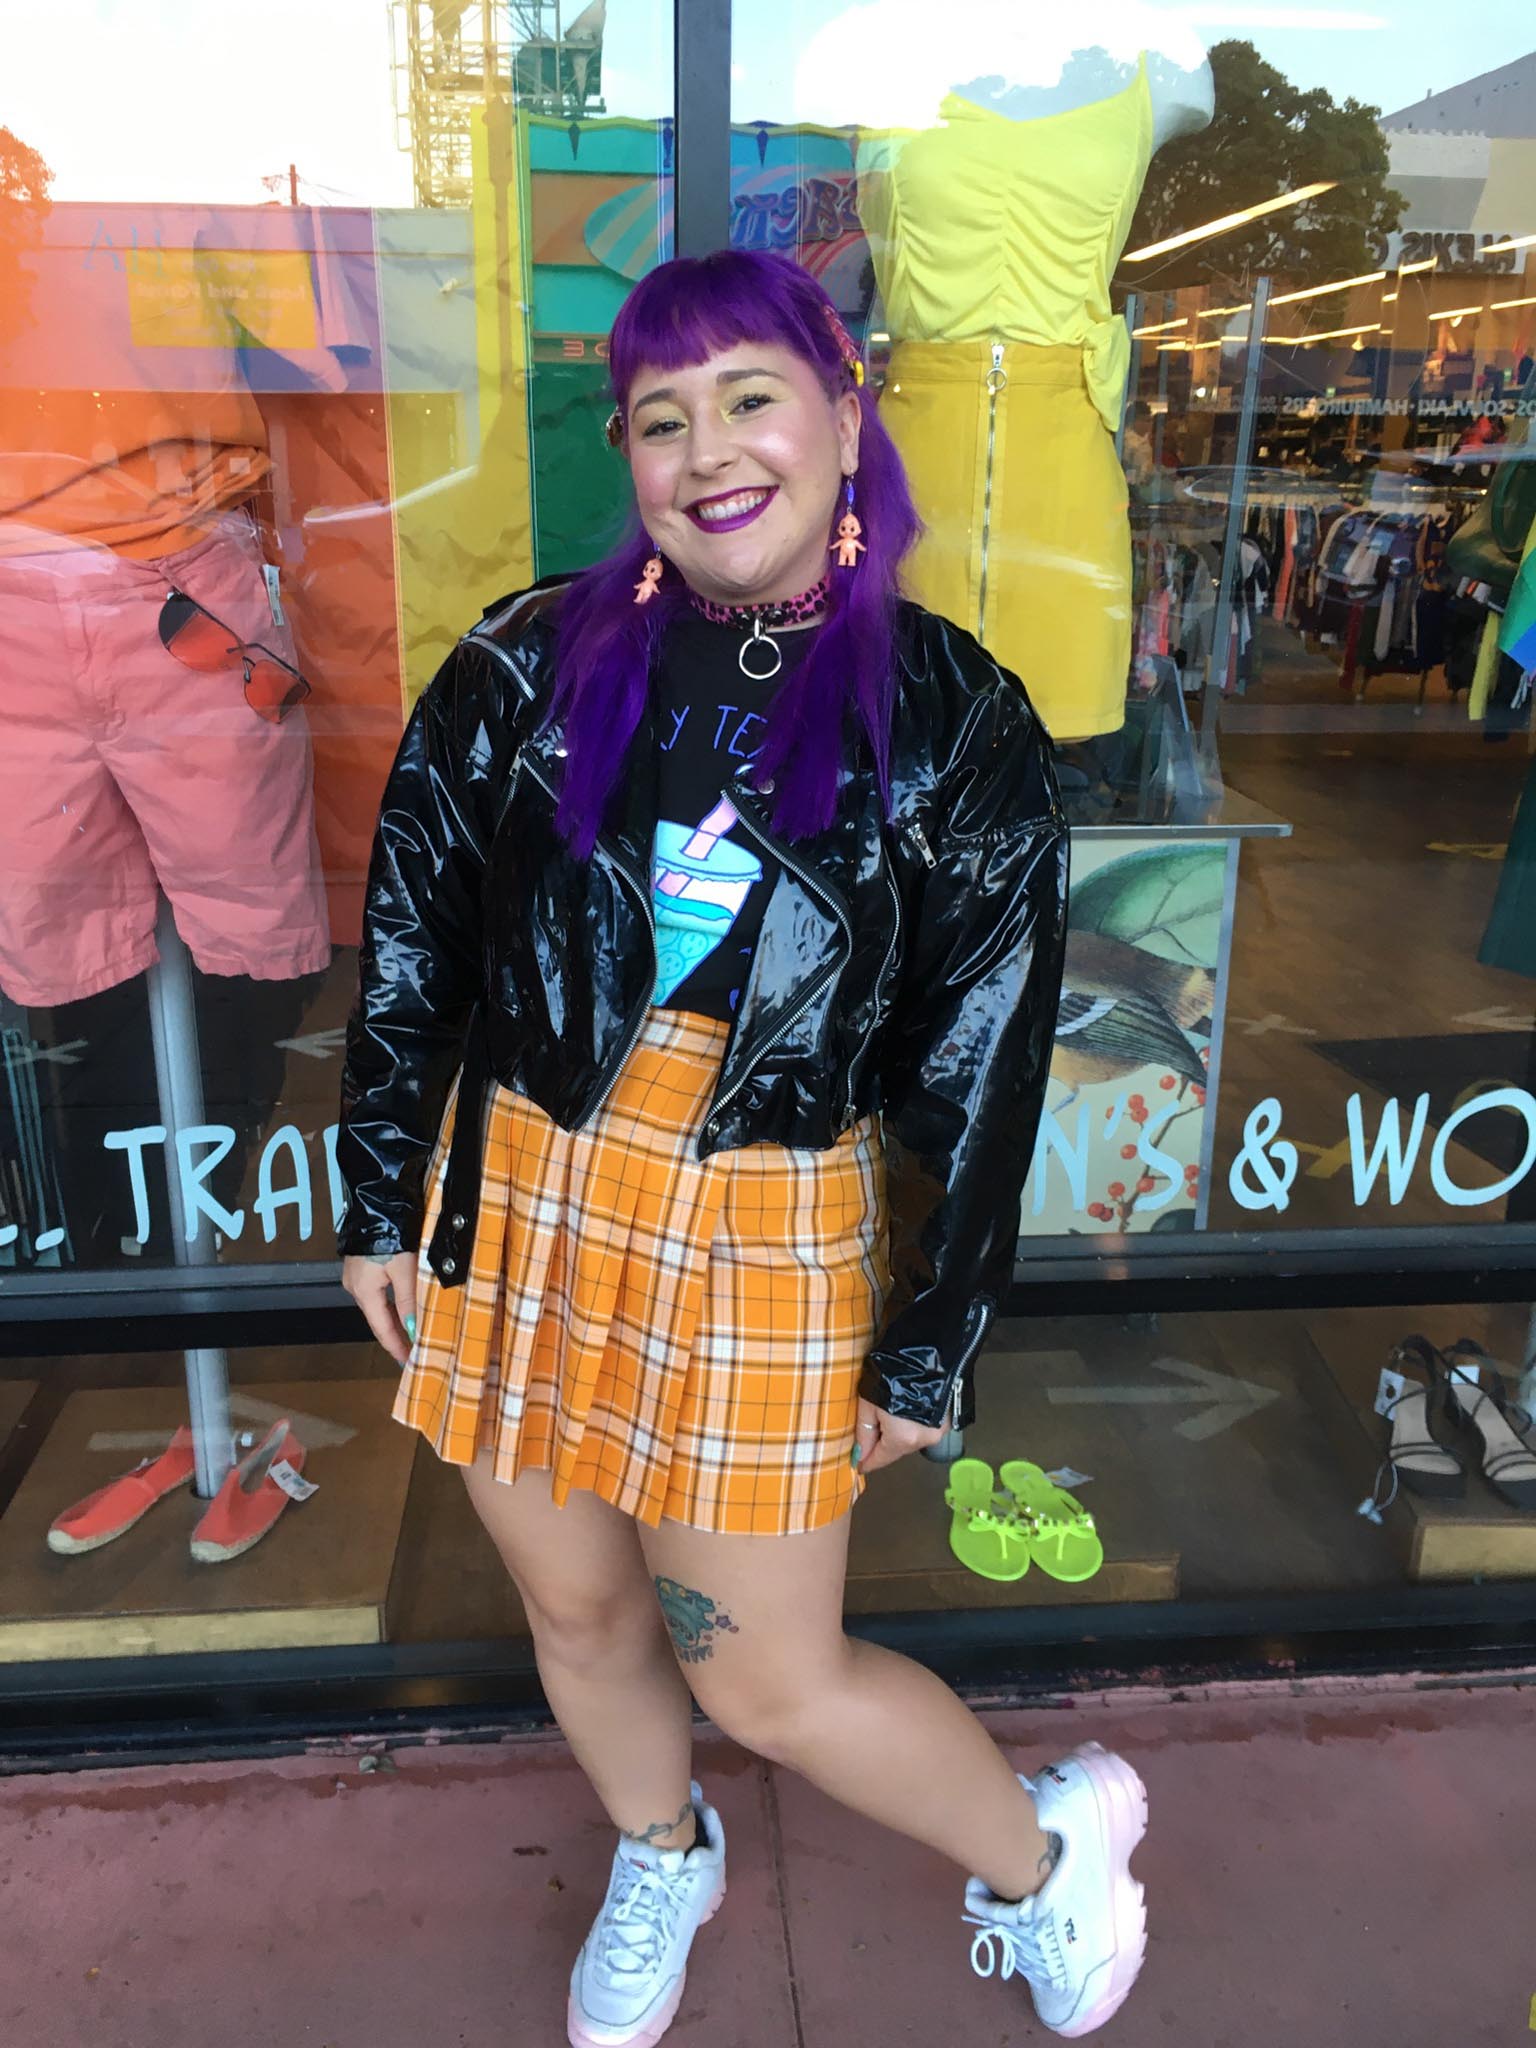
<point>997,192</point>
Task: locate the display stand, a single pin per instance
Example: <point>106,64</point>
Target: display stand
<point>179,1086</point>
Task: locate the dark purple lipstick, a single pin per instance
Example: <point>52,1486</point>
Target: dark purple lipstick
<point>741,519</point>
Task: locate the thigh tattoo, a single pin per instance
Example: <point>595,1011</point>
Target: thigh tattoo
<point>693,1620</point>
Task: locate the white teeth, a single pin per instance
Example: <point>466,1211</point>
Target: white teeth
<point>731,508</point>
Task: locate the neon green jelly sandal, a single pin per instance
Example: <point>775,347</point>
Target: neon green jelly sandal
<point>988,1539</point>
<point>1062,1538</point>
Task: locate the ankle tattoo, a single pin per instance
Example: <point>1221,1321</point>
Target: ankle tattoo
<point>647,1836</point>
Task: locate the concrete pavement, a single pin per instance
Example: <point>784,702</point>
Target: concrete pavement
<point>1338,1869</point>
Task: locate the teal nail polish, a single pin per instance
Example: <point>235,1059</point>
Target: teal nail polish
<point>410,1328</point>
<point>855,1454</point>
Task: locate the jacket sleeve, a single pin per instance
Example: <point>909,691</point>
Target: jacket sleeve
<point>966,1057</point>
<point>419,964</point>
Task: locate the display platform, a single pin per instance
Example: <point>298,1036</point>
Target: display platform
<point>902,1559</point>
<point>1480,1536</point>
<point>15,1399</point>
<point>320,1577</point>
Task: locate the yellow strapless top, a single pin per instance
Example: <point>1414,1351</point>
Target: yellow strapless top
<point>1010,230</point>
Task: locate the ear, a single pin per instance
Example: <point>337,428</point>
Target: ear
<point>850,422</point>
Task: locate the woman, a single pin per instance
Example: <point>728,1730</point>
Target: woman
<point>735,886</point>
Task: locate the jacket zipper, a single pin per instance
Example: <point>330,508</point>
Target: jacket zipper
<point>957,1385</point>
<point>997,378</point>
<point>718,1106</point>
<point>643,898</point>
<point>919,839</point>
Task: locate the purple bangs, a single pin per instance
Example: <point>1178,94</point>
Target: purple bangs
<point>680,314</point>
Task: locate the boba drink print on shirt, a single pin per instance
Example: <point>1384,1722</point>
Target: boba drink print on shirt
<point>710,878</point>
<point>701,882</point>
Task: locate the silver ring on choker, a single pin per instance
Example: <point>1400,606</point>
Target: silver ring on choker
<point>759,639</point>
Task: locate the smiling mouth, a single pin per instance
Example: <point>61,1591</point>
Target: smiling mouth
<point>731,510</point>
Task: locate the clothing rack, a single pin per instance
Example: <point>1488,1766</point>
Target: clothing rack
<point>1366,576</point>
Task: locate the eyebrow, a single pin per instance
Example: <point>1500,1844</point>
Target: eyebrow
<point>666,391</point>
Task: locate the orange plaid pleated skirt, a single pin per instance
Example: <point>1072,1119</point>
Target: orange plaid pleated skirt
<point>681,1337</point>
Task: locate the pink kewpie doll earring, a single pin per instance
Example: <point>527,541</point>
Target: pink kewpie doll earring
<point>650,579</point>
<point>848,546</point>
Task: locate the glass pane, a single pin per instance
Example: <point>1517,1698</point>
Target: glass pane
<point>1213,382</point>
<point>284,403</point>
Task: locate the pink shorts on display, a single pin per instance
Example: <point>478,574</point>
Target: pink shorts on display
<point>123,772</point>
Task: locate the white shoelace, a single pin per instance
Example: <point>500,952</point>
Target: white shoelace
<point>641,1922</point>
<point>1030,1951</point>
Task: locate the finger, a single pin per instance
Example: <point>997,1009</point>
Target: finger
<point>373,1300</point>
<point>880,1452</point>
<point>403,1279</point>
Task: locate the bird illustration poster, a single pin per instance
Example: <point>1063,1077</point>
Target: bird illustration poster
<point>1124,1136</point>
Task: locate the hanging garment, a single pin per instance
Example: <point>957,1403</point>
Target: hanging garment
<point>993,242</point>
<point>124,772</point>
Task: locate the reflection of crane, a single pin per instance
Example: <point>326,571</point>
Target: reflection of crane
<point>451,56</point>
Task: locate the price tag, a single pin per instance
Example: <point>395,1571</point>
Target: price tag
<point>274,596</point>
<point>1390,1391</point>
<point>294,1484</point>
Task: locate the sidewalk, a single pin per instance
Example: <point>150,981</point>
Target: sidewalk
<point>1341,1870</point>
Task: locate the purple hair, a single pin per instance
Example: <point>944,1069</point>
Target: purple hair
<point>682,313</point>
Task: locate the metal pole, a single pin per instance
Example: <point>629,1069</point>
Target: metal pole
<point>1231,547</point>
<point>701,71</point>
<point>1132,315</point>
<point>179,1084</point>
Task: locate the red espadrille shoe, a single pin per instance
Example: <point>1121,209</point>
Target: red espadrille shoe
<point>252,1497</point>
<point>104,1515</point>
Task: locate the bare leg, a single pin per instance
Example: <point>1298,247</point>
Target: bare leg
<point>758,1625</point>
<point>603,1654</point>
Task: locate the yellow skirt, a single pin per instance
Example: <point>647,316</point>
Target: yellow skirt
<point>681,1337</point>
<point>1054,604</point>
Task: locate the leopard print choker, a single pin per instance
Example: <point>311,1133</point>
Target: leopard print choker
<point>763,618</point>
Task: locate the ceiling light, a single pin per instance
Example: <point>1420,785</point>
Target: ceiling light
<point>1503,305</point>
<point>1389,298</point>
<point>1407,269</point>
<point>1228,220</point>
<point>1514,242</point>
<point>1455,312</point>
<point>1316,291</point>
<point>1332,334</point>
<point>1162,327</point>
<point>1214,312</point>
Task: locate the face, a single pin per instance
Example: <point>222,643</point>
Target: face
<point>738,463</point>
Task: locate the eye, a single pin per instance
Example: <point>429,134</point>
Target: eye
<point>659,429</point>
<point>752,400</point>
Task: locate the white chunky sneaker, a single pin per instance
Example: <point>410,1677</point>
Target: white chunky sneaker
<point>1079,1941</point>
<point>628,1980</point>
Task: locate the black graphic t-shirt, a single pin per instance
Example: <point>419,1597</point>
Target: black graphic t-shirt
<point>710,878</point>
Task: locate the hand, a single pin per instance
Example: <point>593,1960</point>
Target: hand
<point>883,1438</point>
<point>385,1291</point>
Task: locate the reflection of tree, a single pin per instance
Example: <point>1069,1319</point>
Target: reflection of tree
<point>1268,137</point>
<point>24,204</point>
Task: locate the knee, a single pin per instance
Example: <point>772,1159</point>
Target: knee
<point>592,1631</point>
<point>769,1707</point>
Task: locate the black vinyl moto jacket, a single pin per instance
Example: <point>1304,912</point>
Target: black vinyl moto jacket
<point>909,969</point>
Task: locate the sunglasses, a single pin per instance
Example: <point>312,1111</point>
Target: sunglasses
<point>200,641</point>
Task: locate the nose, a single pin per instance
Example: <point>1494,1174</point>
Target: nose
<point>709,444</point>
